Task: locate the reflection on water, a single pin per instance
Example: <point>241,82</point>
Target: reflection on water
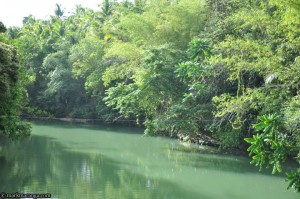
<point>85,161</point>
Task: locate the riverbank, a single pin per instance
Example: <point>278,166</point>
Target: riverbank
<point>200,139</point>
<point>79,120</point>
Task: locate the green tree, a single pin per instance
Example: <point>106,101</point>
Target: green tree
<point>2,27</point>
<point>12,81</point>
<point>106,8</point>
<point>59,12</point>
<point>272,146</point>
<point>149,89</point>
<point>255,46</point>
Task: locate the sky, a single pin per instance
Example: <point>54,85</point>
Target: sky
<point>13,11</point>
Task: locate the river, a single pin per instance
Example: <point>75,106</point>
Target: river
<point>81,161</point>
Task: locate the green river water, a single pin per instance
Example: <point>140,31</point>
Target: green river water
<point>72,161</point>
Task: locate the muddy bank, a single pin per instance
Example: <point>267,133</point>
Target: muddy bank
<point>200,139</point>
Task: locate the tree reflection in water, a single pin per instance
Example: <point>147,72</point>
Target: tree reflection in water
<point>89,161</point>
<point>41,165</point>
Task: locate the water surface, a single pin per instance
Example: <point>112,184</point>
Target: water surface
<point>89,161</point>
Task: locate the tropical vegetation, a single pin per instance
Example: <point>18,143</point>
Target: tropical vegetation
<point>227,69</point>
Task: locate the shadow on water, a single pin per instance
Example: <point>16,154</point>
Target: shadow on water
<point>191,156</point>
<point>90,126</point>
<point>214,159</point>
<point>42,165</point>
<point>88,161</point>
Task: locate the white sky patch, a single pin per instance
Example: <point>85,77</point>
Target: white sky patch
<point>12,12</point>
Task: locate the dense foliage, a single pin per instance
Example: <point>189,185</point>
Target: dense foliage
<point>11,87</point>
<point>228,69</point>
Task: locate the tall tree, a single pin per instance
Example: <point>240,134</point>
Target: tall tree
<point>58,11</point>
<point>12,78</point>
<point>255,44</point>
